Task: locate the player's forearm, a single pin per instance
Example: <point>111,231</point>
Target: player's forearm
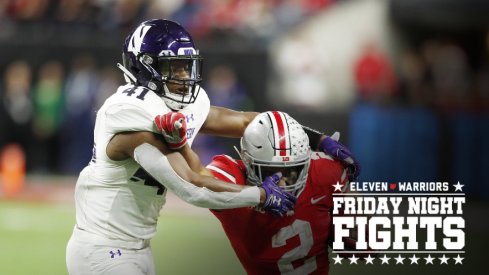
<point>193,161</point>
<point>158,166</point>
<point>216,185</point>
<point>246,118</point>
<point>220,186</point>
<point>226,122</point>
<point>202,177</point>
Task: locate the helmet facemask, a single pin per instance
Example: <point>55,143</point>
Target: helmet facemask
<point>175,78</point>
<point>294,173</point>
<point>275,142</point>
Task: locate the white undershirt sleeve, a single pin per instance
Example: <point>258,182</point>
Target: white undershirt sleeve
<point>158,166</point>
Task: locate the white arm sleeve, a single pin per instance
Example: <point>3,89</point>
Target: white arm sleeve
<point>158,166</point>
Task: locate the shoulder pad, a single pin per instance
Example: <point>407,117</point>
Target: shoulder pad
<point>129,111</point>
<point>228,169</point>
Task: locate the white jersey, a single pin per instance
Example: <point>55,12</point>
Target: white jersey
<point>118,199</point>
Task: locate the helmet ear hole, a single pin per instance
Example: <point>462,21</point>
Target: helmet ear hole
<point>152,86</point>
<point>146,59</point>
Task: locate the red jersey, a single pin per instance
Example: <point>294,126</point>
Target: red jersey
<point>294,244</point>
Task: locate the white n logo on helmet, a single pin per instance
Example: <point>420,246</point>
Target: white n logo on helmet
<point>137,39</point>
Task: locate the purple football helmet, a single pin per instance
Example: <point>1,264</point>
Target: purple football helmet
<point>161,55</point>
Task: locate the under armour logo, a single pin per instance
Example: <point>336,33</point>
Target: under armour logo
<point>276,200</point>
<point>190,117</point>
<point>112,253</point>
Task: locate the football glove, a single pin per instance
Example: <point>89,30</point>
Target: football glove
<point>173,127</point>
<point>331,146</point>
<point>277,201</point>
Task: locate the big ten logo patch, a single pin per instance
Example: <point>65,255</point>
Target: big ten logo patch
<point>190,132</point>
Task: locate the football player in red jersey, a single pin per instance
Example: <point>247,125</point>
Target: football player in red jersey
<point>297,243</point>
<point>275,145</point>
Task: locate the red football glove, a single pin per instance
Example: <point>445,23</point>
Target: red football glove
<point>173,127</point>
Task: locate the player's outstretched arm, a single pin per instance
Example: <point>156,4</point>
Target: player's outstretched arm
<point>226,122</point>
<point>230,123</point>
<point>171,170</point>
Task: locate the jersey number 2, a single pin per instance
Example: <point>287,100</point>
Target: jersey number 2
<point>303,229</point>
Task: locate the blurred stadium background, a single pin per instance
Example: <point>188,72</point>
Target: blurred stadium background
<point>406,82</point>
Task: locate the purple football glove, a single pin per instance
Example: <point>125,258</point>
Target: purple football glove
<point>277,201</point>
<point>331,146</point>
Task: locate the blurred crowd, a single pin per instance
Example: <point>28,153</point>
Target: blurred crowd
<point>255,18</point>
<point>52,108</point>
<point>48,106</point>
<point>50,111</point>
<point>435,73</point>
<point>429,112</point>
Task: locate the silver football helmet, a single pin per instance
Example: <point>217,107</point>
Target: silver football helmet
<point>275,142</point>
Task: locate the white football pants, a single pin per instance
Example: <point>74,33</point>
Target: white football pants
<point>87,254</point>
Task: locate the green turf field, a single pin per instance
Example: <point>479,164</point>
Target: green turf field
<point>33,237</point>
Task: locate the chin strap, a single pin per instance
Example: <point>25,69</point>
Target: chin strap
<point>128,76</point>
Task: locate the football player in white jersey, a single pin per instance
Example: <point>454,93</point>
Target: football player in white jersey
<point>119,195</point>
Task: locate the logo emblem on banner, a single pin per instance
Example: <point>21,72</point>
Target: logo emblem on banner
<point>399,223</point>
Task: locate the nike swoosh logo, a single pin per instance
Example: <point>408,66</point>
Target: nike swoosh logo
<point>314,201</point>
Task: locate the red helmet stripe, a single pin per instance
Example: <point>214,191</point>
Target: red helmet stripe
<point>282,138</point>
